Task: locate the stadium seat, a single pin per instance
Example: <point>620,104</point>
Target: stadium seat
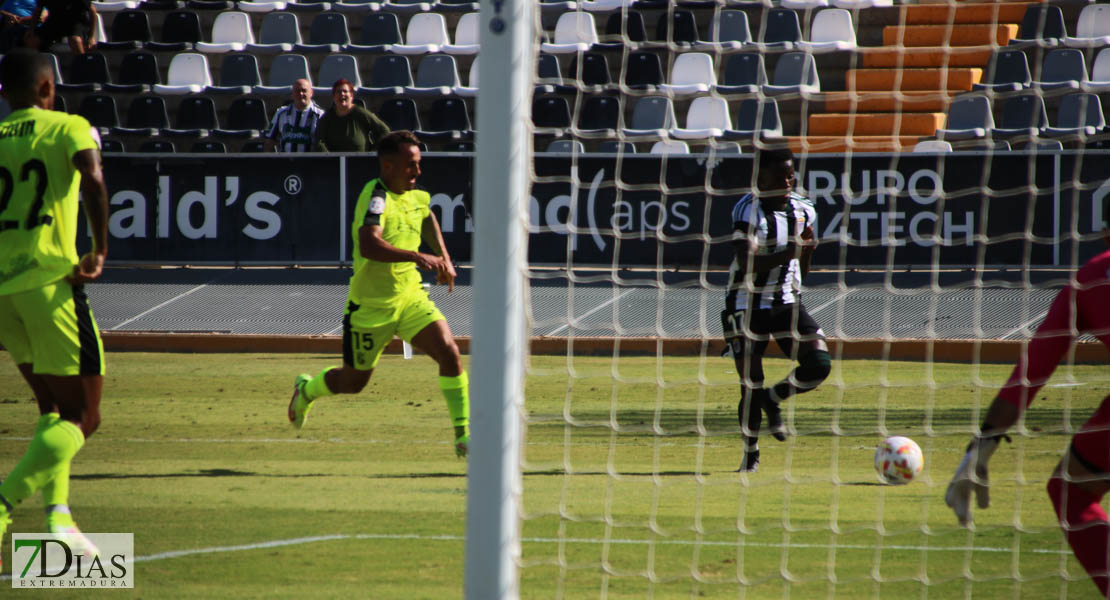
<point>211,5</point>
<point>795,73</point>
<point>157,147</point>
<point>858,4</point>
<point>1100,73</point>
<point>448,120</point>
<point>456,6</point>
<point>328,33</point>
<point>1042,25</point>
<point>407,7</point>
<point>209,147</point>
<point>459,147</point>
<point>5,108</point>
<point>58,79</point>
<point>436,75</point>
<point>981,145</point>
<point>652,117</point>
<point>933,146</point>
<point>725,147</point>
<point>246,118</point>
<point>308,6</point>
<point>551,115</point>
<point>466,36</point>
<point>1022,116</point>
<point>781,30</point>
<point>130,30</point>
<point>59,103</point>
<point>390,76</point>
<point>804,4</point>
<point>754,118</point>
<point>231,32</point>
<point>729,31</point>
<point>669,147</point>
<point>138,73</point>
<point>565,147</point>
<point>592,72</point>
<point>100,111</point>
<point>146,116</point>
<point>188,73</point>
<point>261,6</point>
<point>285,69</point>
<point>549,79</point>
<point>969,117</point>
<point>254,147</point>
<point>110,146</point>
<point>574,32</point>
<point>679,27</point>
<point>643,71</point>
<point>196,117</point>
<point>1064,69</point>
<point>336,67</point>
<point>87,73</point>
<point>379,33</point>
<point>605,5</point>
<point>600,115</point>
<point>1078,115</point>
<point>744,73</point>
<point>617,146</point>
<point>692,73</point>
<point>400,113</point>
<point>356,7</point>
<point>180,32</point>
<point>831,31</point>
<point>1092,30</point>
<point>115,6</point>
<point>707,117</point>
<point>1008,71</point>
<point>425,34</point>
<point>239,74</point>
<point>279,32</point>
<point>1045,145</point>
<point>471,89</point>
<point>626,28</point>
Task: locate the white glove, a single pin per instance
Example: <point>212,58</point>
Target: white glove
<point>970,476</point>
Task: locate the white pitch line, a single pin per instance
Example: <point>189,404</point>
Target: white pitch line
<point>549,540</point>
<point>591,311</point>
<point>1024,325</point>
<point>839,296</point>
<point>154,308</point>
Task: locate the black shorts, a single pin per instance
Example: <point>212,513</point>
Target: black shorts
<point>786,324</point>
<point>61,27</point>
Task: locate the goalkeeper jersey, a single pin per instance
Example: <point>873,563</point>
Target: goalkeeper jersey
<point>401,217</point>
<point>39,189</point>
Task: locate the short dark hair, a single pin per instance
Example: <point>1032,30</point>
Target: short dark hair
<point>392,143</point>
<point>773,157</point>
<point>20,70</point>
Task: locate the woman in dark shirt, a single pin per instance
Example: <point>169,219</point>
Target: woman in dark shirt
<point>346,127</point>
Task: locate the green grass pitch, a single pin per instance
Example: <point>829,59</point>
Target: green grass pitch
<point>629,489</point>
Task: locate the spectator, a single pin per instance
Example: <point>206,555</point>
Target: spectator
<point>74,21</point>
<point>294,126</point>
<point>346,127</point>
<point>15,20</point>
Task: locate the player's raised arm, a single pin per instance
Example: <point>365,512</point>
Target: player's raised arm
<point>95,198</point>
<point>433,237</point>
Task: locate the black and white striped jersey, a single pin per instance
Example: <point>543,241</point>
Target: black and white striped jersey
<point>295,130</point>
<point>771,231</point>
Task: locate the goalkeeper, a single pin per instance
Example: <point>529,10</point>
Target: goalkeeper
<point>773,235</point>
<point>1082,477</point>
<point>386,296</point>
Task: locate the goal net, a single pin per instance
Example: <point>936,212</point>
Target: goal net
<point>945,225</point>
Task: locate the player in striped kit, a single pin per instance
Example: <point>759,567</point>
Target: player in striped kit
<point>773,231</point>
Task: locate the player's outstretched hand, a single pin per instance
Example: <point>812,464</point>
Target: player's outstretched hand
<point>971,476</point>
<point>428,262</point>
<point>88,269</point>
<point>446,276</point>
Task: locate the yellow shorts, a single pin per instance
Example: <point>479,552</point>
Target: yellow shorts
<point>53,329</point>
<point>368,329</point>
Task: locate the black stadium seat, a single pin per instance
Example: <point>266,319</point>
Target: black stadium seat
<point>180,31</point>
<point>157,146</point>
<point>246,117</point>
<point>130,30</point>
<point>99,110</point>
<point>146,115</point>
<point>87,73</point>
<point>196,117</point>
<point>400,113</point>
<point>138,72</point>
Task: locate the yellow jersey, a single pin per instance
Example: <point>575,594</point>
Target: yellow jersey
<point>401,217</point>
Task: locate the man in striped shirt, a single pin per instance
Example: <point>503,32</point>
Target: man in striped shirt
<point>294,126</point>
<point>773,233</point>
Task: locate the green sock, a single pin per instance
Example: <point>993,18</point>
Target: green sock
<point>317,387</point>
<point>458,398</point>
<point>49,453</point>
<point>56,491</point>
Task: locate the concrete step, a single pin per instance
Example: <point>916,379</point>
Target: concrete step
<point>879,102</point>
<point>886,124</point>
<point>959,79</point>
<point>839,143</point>
<point>944,13</point>
<point>944,35</point>
<point>929,56</point>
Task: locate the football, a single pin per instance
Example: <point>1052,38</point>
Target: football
<point>898,460</point>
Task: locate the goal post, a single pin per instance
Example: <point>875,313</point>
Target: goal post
<point>501,189</point>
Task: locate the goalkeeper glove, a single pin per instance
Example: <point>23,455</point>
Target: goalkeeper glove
<point>971,476</point>
<point>462,445</point>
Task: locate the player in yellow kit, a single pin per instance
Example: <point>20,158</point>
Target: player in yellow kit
<point>46,159</point>
<point>386,297</point>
